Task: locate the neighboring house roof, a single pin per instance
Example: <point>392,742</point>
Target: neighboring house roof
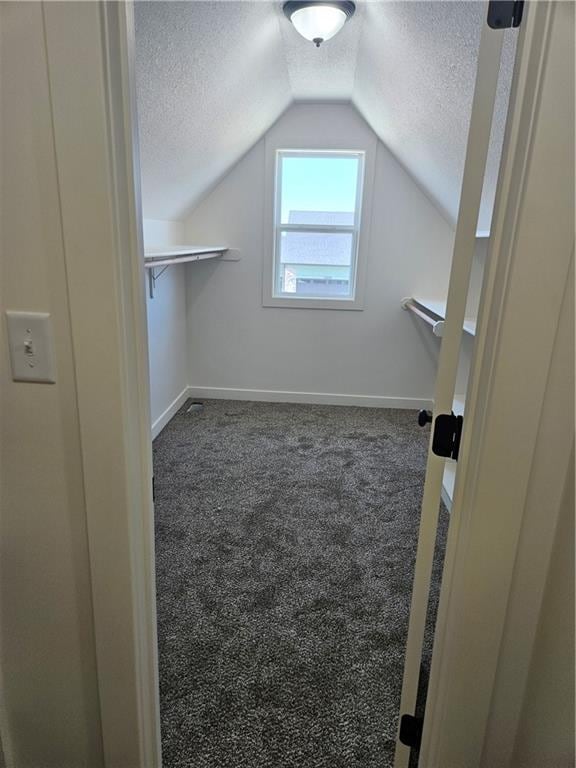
<point>317,247</point>
<point>212,78</point>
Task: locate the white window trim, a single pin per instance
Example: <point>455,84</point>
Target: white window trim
<point>360,229</point>
<point>353,229</point>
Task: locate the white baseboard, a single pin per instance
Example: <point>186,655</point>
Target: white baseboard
<point>170,412</point>
<point>278,396</point>
<point>313,398</point>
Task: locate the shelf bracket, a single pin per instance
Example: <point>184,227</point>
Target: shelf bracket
<point>153,274</point>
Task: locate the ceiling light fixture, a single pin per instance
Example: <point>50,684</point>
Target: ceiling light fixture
<point>318,21</point>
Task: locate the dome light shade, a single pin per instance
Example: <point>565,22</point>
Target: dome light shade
<point>318,21</point>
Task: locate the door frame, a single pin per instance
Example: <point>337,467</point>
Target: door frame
<point>91,77</point>
<point>90,63</point>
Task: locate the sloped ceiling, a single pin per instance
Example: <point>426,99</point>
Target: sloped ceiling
<point>213,76</point>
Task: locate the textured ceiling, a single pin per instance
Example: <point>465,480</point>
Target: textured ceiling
<point>211,79</point>
<point>414,84</point>
<point>213,75</point>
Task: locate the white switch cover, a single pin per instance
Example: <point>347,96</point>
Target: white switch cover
<point>31,347</point>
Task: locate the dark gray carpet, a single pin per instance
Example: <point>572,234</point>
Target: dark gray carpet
<point>285,547</point>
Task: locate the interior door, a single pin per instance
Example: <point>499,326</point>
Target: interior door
<point>464,243</point>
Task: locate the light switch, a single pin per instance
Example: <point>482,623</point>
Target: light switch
<point>31,347</point>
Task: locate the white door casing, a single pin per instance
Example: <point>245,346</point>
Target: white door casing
<point>90,66</point>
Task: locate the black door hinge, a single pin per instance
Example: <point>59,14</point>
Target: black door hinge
<point>503,14</point>
<point>153,490</point>
<point>447,434</point>
<point>411,730</point>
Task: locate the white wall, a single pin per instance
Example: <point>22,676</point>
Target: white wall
<point>158,232</point>
<point>49,714</point>
<point>379,356</point>
<point>167,347</point>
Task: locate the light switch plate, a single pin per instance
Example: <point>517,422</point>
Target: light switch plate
<point>31,346</point>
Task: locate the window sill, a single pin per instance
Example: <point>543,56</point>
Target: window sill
<point>285,303</point>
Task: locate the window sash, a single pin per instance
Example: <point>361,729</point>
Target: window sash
<point>278,266</point>
<point>336,228</point>
<point>352,229</point>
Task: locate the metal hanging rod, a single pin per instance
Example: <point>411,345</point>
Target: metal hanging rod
<point>430,317</point>
<point>178,255</point>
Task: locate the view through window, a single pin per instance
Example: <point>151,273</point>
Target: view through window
<point>317,217</point>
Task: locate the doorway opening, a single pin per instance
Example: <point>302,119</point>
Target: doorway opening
<point>294,205</point>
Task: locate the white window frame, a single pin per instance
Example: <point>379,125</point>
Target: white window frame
<point>271,296</point>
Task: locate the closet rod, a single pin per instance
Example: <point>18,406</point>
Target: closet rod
<point>166,257</point>
<point>424,314</point>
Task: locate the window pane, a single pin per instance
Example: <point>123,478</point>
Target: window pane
<point>318,190</point>
<point>314,264</point>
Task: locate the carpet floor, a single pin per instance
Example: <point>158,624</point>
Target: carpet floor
<point>285,546</point>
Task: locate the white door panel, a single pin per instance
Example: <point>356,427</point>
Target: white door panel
<point>463,254</point>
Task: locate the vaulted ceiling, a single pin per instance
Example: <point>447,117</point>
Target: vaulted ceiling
<point>214,75</point>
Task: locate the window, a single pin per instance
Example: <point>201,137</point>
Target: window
<point>316,224</point>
